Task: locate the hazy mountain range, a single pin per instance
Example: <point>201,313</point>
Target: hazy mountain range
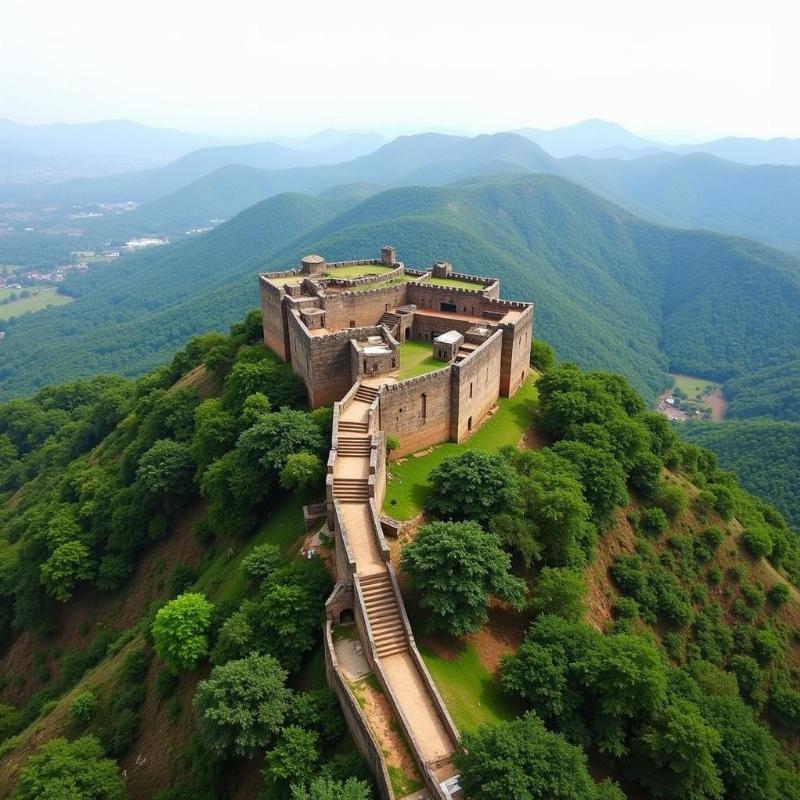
<point>693,191</point>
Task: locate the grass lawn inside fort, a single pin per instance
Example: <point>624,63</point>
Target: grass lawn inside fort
<point>408,488</point>
<point>416,358</point>
<point>455,283</point>
<point>36,302</point>
<point>357,271</point>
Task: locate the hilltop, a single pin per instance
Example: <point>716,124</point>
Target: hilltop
<point>119,495</point>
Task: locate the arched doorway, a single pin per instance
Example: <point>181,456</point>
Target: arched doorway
<point>407,334</point>
<point>347,617</point>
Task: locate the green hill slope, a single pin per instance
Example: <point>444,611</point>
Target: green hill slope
<point>765,454</point>
<point>613,290</point>
<point>122,325</point>
<point>701,191</point>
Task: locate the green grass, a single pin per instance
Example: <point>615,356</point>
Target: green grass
<point>456,283</point>
<point>36,302</point>
<point>694,388</point>
<point>222,580</point>
<point>471,693</point>
<point>365,287</point>
<point>408,488</point>
<point>357,271</point>
<point>416,358</point>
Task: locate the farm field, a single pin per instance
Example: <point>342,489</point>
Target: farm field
<point>36,302</point>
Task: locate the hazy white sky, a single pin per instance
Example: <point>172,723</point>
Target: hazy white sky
<point>701,67</point>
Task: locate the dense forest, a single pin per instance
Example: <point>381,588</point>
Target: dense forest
<point>765,454</point>
<point>687,689</point>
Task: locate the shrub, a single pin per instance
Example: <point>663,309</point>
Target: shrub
<point>672,500</point>
<point>758,541</point>
<point>560,591</point>
<point>654,521</point>
<point>302,471</point>
<point>768,645</point>
<point>83,706</point>
<point>714,574</point>
<point>779,594</point>
<point>392,443</point>
<point>261,561</point>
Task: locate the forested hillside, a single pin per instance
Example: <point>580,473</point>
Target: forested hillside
<point>152,591</point>
<point>700,191</point>
<point>764,453</point>
<point>612,290</point>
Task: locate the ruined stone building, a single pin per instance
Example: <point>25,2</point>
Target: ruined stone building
<point>420,356</point>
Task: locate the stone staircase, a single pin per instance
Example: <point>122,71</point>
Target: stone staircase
<point>383,614</point>
<point>348,426</point>
<point>466,349</point>
<point>353,446</point>
<point>365,394</point>
<point>391,321</point>
<point>351,490</point>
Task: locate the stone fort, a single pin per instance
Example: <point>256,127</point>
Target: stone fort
<point>421,356</point>
<point>341,323</point>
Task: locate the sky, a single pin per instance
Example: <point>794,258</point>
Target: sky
<point>693,69</point>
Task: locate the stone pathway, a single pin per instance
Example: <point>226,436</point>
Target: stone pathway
<point>384,613</point>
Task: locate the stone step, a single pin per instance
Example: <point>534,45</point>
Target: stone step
<point>353,427</point>
<point>392,649</point>
<point>381,634</point>
<point>375,576</point>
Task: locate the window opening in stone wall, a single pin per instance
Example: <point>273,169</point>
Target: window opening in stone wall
<point>423,406</point>
<point>470,390</point>
<point>352,323</point>
<point>469,424</point>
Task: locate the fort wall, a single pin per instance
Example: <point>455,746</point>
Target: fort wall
<point>476,387</point>
<point>515,362</point>
<point>417,411</point>
<point>363,307</point>
<point>273,321</point>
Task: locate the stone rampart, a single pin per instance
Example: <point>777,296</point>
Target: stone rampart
<point>355,720</point>
<point>476,387</point>
<point>417,411</point>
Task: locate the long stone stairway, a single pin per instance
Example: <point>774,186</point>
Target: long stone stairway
<point>390,639</point>
<point>384,615</point>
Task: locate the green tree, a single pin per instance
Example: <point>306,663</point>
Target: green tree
<point>601,475</point>
<point>294,758</point>
<point>302,471</point>
<point>625,679</point>
<point>542,355</point>
<point>325,788</point>
<point>267,445</point>
<point>757,540</point>
<point>164,475</point>
<point>472,485</point>
<point>261,561</point>
<point>68,564</point>
<point>215,432</point>
<point>560,591</point>
<point>74,770</point>
<point>242,705</point>
<point>746,756</point>
<point>457,568</point>
<point>673,754</point>
<point>521,759</point>
<point>180,630</point>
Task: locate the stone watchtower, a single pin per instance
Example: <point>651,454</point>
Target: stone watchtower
<point>442,269</point>
<point>388,256</point>
<point>313,265</point>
